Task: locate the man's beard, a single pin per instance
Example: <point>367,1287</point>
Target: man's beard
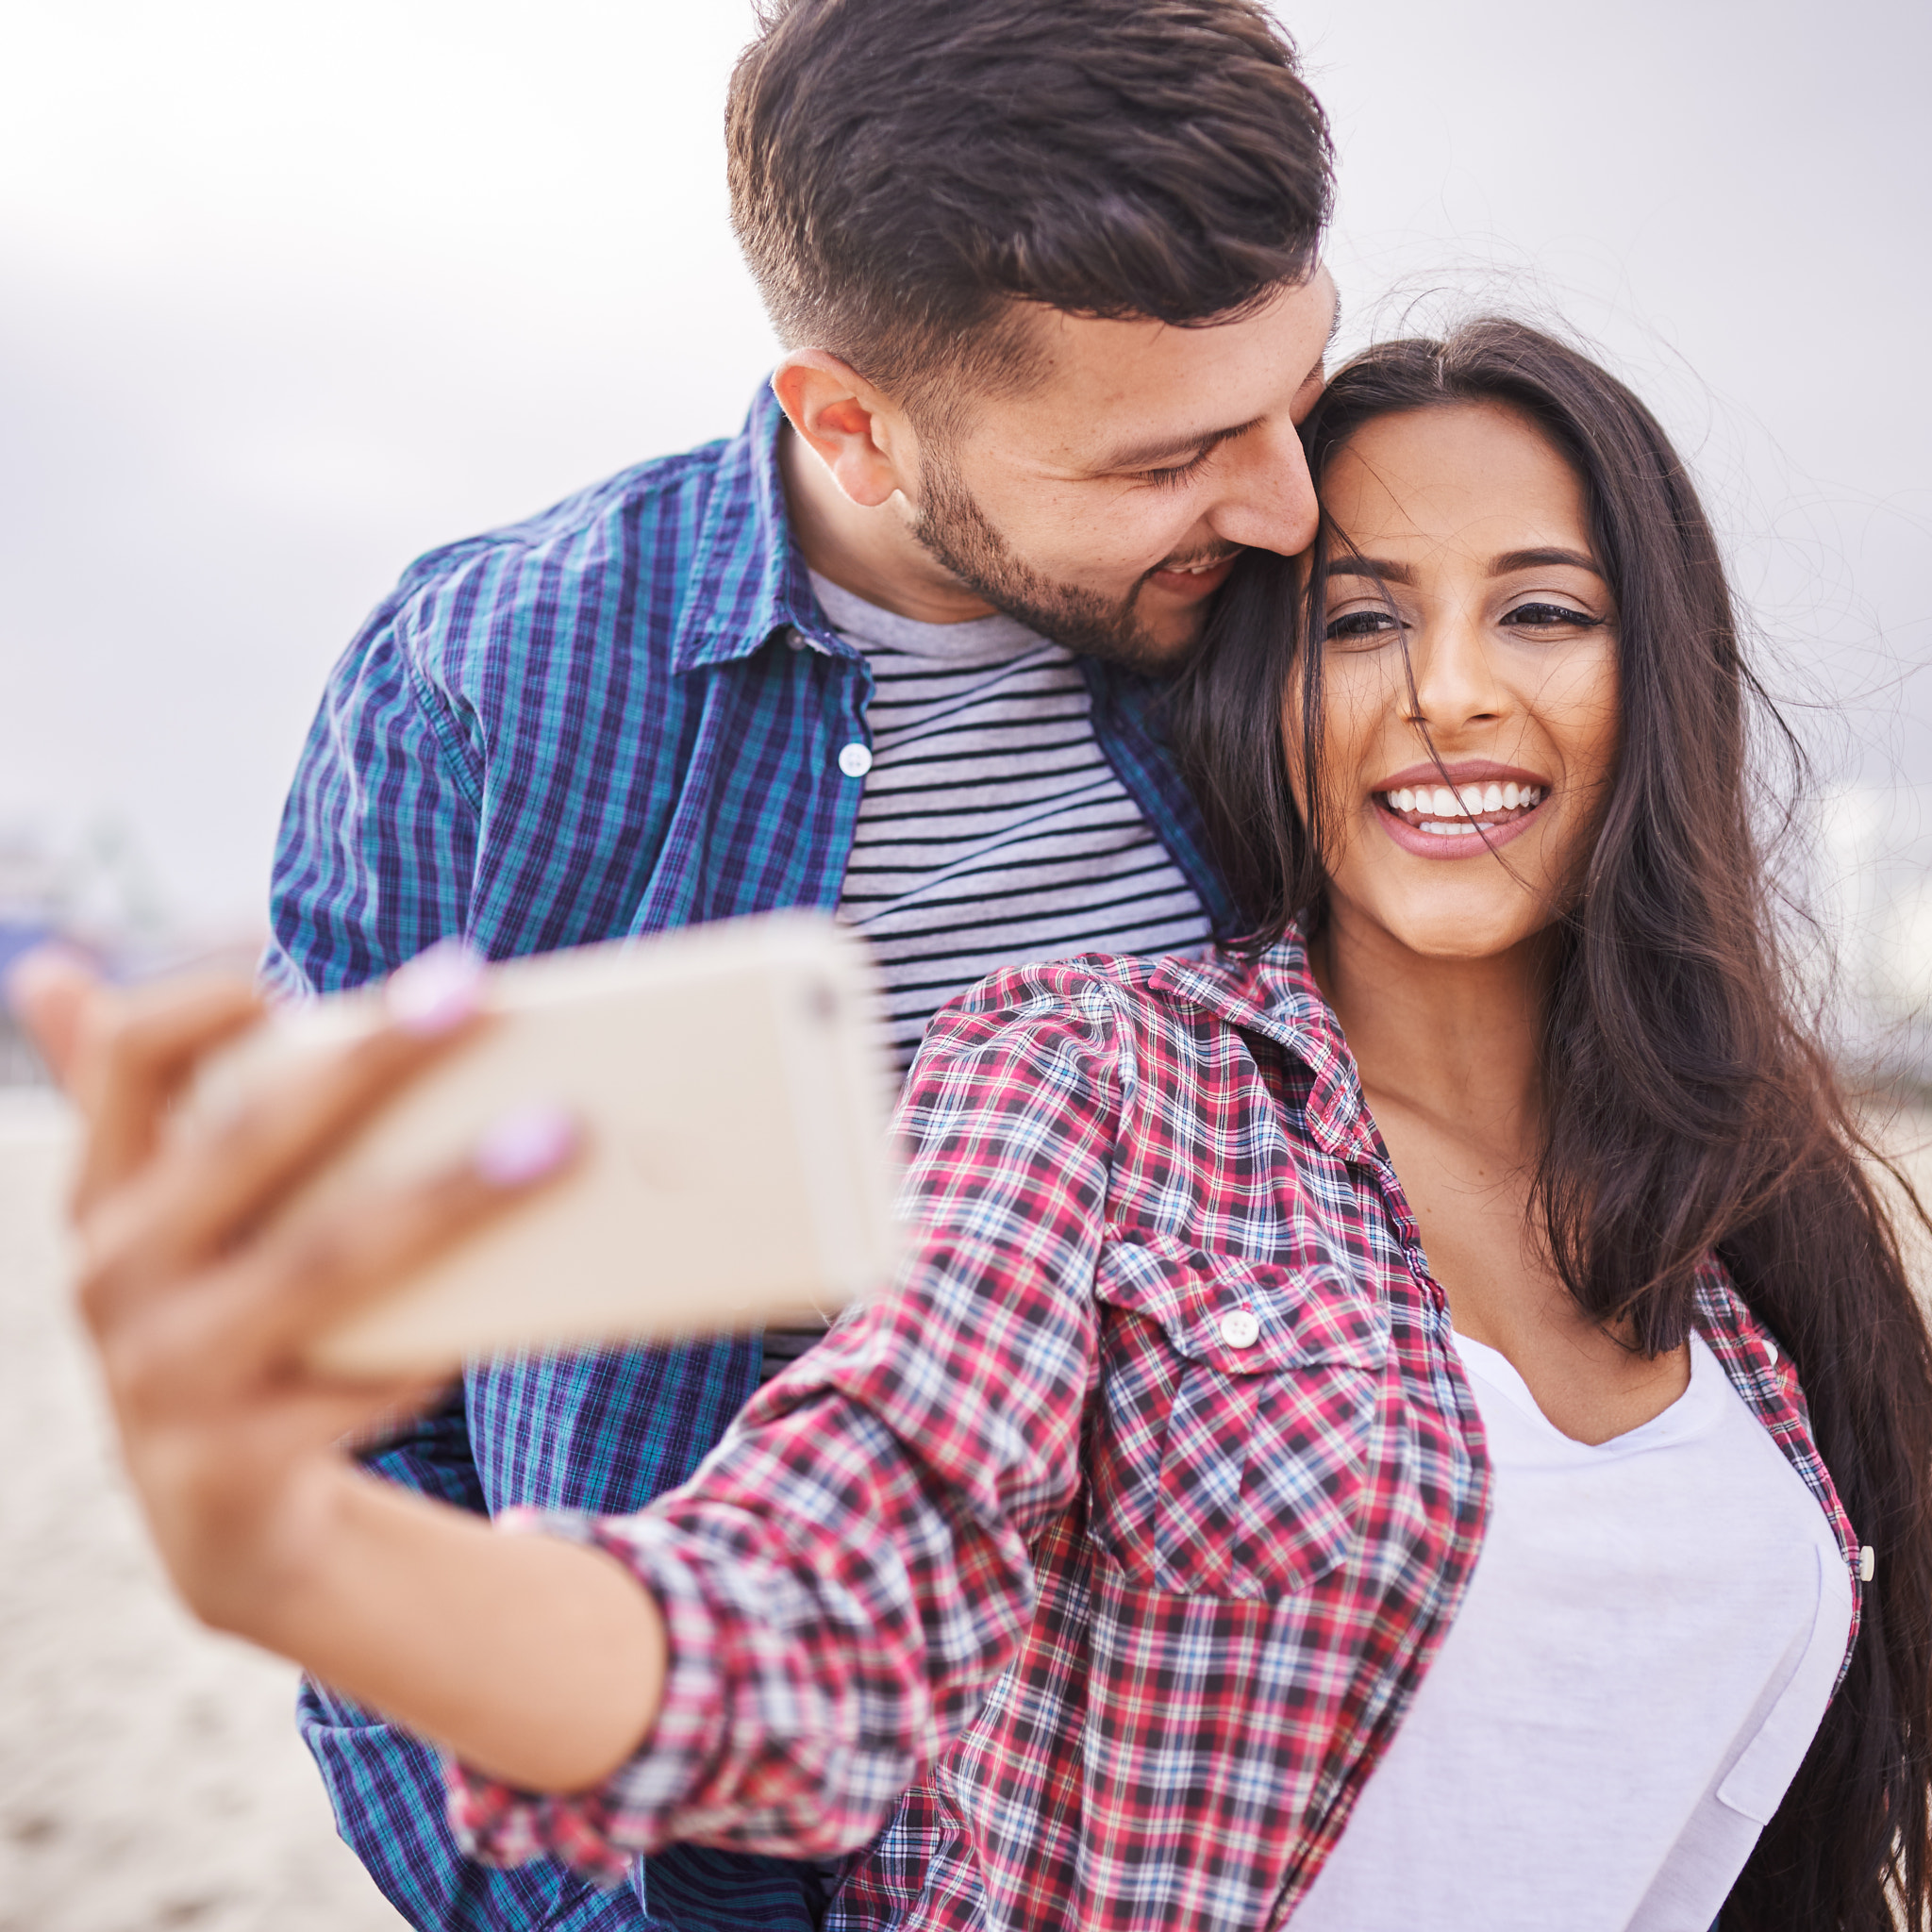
<point>955,531</point>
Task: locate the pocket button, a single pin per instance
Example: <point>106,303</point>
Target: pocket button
<point>1241,1330</point>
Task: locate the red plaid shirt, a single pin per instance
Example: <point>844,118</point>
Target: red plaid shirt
<point>1082,1579</point>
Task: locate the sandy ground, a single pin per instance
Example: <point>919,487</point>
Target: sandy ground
<point>150,1775</point>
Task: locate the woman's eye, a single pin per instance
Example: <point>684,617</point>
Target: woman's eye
<point>1549,617</point>
<point>1358,626</point>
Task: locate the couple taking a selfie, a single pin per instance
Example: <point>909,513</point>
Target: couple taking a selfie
<point>1401,1407</point>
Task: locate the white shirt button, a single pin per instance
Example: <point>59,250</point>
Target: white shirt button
<point>1868,1563</point>
<point>1771,1351</point>
<point>1241,1330</point>
<point>855,760</point>
<point>793,641</point>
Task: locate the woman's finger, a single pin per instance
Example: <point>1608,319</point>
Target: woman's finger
<point>119,1057</point>
<point>133,1053</point>
<point>48,989</point>
<point>248,1164</point>
<point>266,1306</point>
<point>207,1191</point>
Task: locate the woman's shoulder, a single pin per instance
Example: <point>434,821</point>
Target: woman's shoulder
<point>1051,1008</point>
<point>1077,977</point>
<point>1132,1019</point>
<point>1099,992</point>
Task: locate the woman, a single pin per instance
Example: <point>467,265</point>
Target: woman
<point>1416,1419</point>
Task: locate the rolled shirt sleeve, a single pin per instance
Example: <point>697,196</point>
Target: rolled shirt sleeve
<point>848,1574</point>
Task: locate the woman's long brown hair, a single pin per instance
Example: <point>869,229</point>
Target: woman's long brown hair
<point>1688,1107</point>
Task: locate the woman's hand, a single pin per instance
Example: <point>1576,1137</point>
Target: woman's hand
<point>199,1302</point>
<point>538,1661</point>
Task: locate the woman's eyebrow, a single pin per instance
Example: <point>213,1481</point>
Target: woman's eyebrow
<point>1382,571</point>
<point>1539,560</point>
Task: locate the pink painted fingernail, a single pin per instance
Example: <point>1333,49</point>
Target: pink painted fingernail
<point>437,990</point>
<point>525,1145</point>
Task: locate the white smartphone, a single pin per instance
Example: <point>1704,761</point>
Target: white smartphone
<point>731,1086</point>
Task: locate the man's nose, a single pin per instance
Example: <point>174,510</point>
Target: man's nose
<point>1268,499</point>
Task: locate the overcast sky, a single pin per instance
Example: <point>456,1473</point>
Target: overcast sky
<point>289,293</point>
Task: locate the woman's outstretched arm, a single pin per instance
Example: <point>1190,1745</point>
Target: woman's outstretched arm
<point>762,1658</point>
<point>535,1660</point>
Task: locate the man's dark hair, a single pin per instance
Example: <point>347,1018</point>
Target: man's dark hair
<point>904,171</point>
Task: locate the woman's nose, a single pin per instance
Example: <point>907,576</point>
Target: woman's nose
<point>1456,681</point>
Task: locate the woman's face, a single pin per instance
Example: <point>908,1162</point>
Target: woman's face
<point>1478,530</point>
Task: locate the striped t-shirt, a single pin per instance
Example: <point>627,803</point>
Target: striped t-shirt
<point>991,829</point>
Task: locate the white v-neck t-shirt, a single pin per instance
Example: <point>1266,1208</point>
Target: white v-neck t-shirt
<point>1640,1664</point>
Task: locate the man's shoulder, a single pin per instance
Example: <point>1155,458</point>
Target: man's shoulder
<point>573,535</point>
<point>620,563</point>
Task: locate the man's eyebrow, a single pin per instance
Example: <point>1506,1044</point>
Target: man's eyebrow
<point>1184,449</point>
<point>1173,449</point>
<point>1541,560</point>
<point>1370,567</point>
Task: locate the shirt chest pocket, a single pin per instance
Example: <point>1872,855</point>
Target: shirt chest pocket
<point>1237,1400</point>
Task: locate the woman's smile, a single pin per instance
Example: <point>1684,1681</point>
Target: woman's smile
<point>1458,809</point>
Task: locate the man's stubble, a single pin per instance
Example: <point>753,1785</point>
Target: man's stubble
<point>956,533</point>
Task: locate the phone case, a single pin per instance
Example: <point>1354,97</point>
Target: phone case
<point>732,1089</point>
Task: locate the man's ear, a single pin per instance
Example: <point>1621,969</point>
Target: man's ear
<point>861,438</point>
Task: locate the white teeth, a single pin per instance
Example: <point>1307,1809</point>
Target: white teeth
<point>1458,808</point>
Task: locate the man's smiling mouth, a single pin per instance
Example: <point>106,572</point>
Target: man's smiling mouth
<point>1203,571</point>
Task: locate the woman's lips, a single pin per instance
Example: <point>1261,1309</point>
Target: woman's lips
<point>1194,581</point>
<point>1438,822</point>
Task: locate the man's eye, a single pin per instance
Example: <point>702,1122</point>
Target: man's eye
<point>1178,473</point>
<point>1357,625</point>
<point>1549,617</point>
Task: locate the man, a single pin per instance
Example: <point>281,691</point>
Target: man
<point>1047,282</point>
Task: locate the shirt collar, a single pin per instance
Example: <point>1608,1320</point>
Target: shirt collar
<point>1275,994</point>
<point>746,577</point>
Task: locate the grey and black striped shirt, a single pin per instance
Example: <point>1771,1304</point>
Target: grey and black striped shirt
<point>991,829</point>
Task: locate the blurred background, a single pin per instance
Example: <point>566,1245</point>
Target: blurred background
<point>289,294</point>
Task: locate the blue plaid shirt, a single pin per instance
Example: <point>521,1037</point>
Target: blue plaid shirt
<point>621,716</point>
